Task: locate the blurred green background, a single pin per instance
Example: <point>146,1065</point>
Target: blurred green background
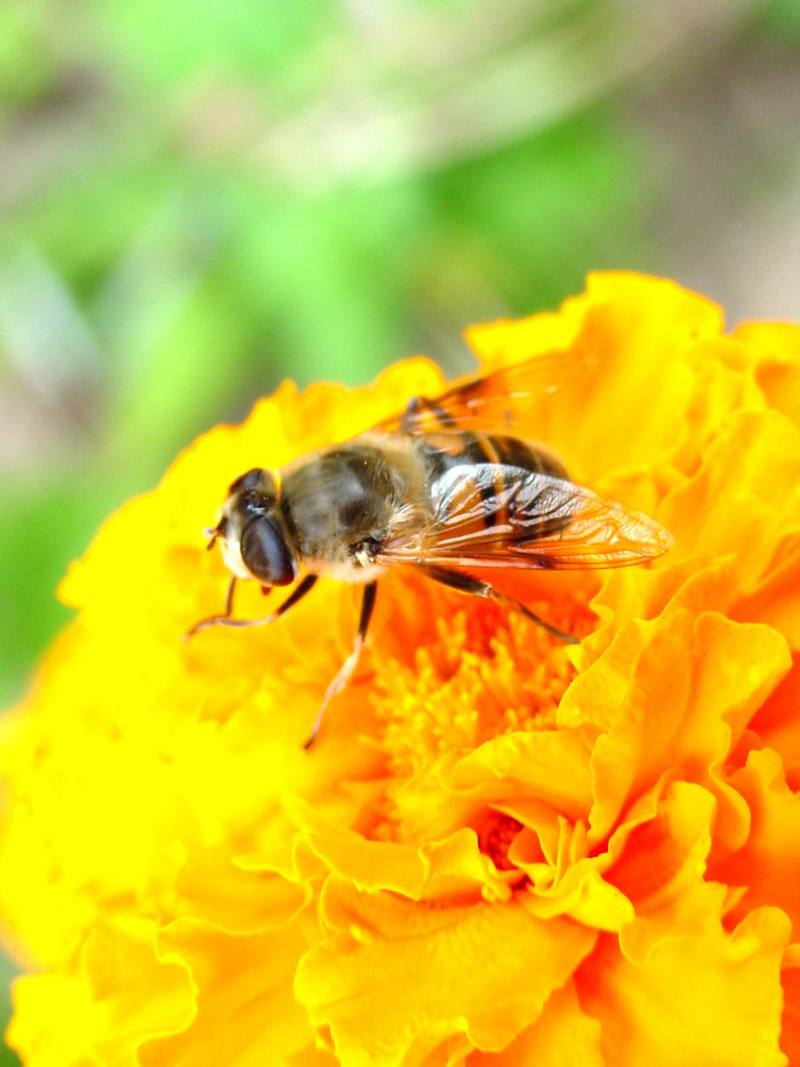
<point>200,197</point>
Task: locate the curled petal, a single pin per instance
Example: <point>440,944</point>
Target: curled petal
<point>453,867</point>
<point>550,766</point>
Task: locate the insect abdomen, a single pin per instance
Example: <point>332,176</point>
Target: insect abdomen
<point>530,457</point>
<point>458,449</point>
<point>507,458</point>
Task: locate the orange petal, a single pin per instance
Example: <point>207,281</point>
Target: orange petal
<point>776,721</point>
<point>246,1012</point>
<point>661,868</point>
<point>551,766</point>
<point>693,686</point>
<point>755,458</point>
<point>562,1035</point>
<point>747,568</point>
<point>484,971</point>
<point>712,997</point>
<point>769,863</point>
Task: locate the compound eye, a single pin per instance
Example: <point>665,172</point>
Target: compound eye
<point>265,552</point>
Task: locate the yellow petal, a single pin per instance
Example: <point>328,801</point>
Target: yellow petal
<point>790,1024</point>
<point>453,867</point>
<point>777,369</point>
<point>124,993</point>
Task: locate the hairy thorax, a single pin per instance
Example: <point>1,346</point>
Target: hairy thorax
<point>341,504</point>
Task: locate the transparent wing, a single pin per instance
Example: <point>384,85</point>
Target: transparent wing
<point>494,515</point>
<point>496,402</point>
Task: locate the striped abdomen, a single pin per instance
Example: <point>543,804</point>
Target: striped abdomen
<point>502,480</point>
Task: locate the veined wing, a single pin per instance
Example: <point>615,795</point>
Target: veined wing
<point>495,515</point>
<point>497,402</point>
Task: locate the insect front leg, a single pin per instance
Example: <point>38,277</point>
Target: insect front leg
<point>468,583</point>
<point>215,620</point>
<point>345,672</point>
<point>296,595</point>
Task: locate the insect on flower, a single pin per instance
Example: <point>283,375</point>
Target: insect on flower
<point>445,488</point>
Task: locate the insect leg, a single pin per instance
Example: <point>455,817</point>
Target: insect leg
<point>345,672</point>
<point>297,594</point>
<point>215,620</point>
<point>467,583</point>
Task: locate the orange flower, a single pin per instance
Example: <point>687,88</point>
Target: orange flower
<point>502,851</point>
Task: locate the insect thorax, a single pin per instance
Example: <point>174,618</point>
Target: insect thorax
<point>339,505</point>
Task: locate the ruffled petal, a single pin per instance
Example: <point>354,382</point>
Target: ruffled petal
<point>551,767</point>
<point>693,687</point>
<point>122,991</point>
<point>563,1034</point>
<point>776,721</point>
<point>712,997</point>
<point>451,868</point>
<point>660,866</point>
<point>484,971</point>
<point>246,1013</point>
<point>767,867</point>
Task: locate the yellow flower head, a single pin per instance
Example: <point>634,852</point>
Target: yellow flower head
<point>502,851</point>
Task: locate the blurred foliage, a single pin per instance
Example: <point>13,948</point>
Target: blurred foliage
<point>198,198</point>
<point>781,16</point>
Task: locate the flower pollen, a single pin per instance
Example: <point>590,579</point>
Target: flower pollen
<point>489,672</point>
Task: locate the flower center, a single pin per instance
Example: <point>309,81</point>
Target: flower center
<point>488,672</point>
<point>495,837</point>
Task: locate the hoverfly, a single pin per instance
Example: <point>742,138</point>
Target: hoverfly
<point>445,488</point>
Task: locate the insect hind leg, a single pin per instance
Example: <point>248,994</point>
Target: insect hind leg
<point>468,583</point>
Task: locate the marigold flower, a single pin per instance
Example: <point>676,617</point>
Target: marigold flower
<point>502,851</point>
